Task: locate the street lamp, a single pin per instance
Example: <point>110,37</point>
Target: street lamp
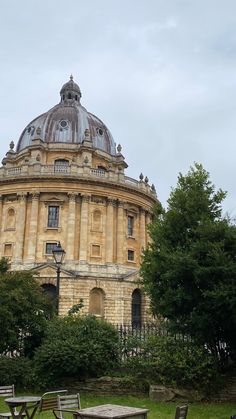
<point>58,254</point>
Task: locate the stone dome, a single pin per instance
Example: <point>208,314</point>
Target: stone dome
<point>67,122</point>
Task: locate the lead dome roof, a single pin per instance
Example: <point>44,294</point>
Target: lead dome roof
<point>66,123</point>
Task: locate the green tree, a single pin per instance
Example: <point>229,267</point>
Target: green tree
<point>76,346</point>
<point>23,311</point>
<point>189,270</point>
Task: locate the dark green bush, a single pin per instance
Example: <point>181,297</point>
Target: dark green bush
<point>173,362</point>
<point>76,347</point>
<point>18,371</point>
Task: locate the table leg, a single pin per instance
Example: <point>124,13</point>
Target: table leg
<point>24,411</point>
<point>30,416</point>
<point>19,414</point>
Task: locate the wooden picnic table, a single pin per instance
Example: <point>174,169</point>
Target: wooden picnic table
<point>25,403</point>
<point>113,411</point>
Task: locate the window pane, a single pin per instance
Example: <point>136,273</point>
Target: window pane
<point>130,225</point>
<point>136,308</point>
<point>50,247</point>
<point>61,166</point>
<point>53,216</point>
<point>130,255</point>
<point>63,162</point>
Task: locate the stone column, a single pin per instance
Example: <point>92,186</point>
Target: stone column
<point>1,206</point>
<point>142,229</point>
<point>1,225</point>
<point>83,252</point>
<point>20,228</point>
<point>120,233</point>
<point>109,230</point>
<point>148,221</point>
<point>33,228</point>
<point>70,248</point>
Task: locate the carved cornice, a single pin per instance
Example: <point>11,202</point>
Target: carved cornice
<point>35,196</point>
<point>72,196</point>
<point>112,202</point>
<point>21,196</point>
<point>142,211</point>
<point>120,204</point>
<point>98,199</point>
<point>85,198</point>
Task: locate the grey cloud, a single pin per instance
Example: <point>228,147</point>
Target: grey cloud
<point>161,74</point>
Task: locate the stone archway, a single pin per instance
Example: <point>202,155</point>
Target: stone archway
<point>96,302</point>
<point>136,308</point>
<point>50,290</point>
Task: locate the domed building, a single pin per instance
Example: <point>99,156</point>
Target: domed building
<point>65,182</point>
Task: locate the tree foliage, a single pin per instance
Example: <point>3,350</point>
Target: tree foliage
<point>76,346</point>
<point>18,370</point>
<point>23,311</point>
<point>189,270</point>
<point>173,361</point>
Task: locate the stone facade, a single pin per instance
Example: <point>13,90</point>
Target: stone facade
<point>78,194</point>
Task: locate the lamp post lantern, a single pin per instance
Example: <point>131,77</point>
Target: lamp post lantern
<point>58,254</point>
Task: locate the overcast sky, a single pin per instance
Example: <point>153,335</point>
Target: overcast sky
<point>161,74</point>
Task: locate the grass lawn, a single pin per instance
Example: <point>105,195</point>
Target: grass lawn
<point>156,410</point>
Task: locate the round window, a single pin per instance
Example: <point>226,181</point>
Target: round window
<point>100,131</point>
<point>63,124</point>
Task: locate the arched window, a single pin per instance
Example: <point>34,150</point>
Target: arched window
<point>96,302</point>
<point>136,308</point>
<point>61,165</point>
<point>11,219</point>
<point>69,96</point>
<point>59,162</point>
<point>102,168</point>
<point>97,220</point>
<point>50,290</point>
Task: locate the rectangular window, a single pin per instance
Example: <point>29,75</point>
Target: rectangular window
<point>130,225</point>
<point>8,250</point>
<point>53,216</point>
<point>96,250</point>
<point>49,248</point>
<point>131,255</point>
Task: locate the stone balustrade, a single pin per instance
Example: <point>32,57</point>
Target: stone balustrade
<point>74,170</point>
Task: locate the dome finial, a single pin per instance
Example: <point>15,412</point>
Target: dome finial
<point>70,91</point>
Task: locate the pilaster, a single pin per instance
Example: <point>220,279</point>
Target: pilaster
<point>33,227</point>
<point>148,221</point>
<point>120,232</point>
<point>1,207</point>
<point>70,248</point>
<point>142,232</point>
<point>109,230</point>
<point>20,228</point>
<point>83,253</point>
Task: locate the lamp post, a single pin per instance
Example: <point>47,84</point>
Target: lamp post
<point>58,254</point>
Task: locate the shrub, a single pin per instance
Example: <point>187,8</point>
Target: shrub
<point>76,347</point>
<point>24,310</point>
<point>171,361</point>
<point>18,371</point>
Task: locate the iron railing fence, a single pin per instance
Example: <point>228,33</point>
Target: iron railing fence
<point>132,337</point>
